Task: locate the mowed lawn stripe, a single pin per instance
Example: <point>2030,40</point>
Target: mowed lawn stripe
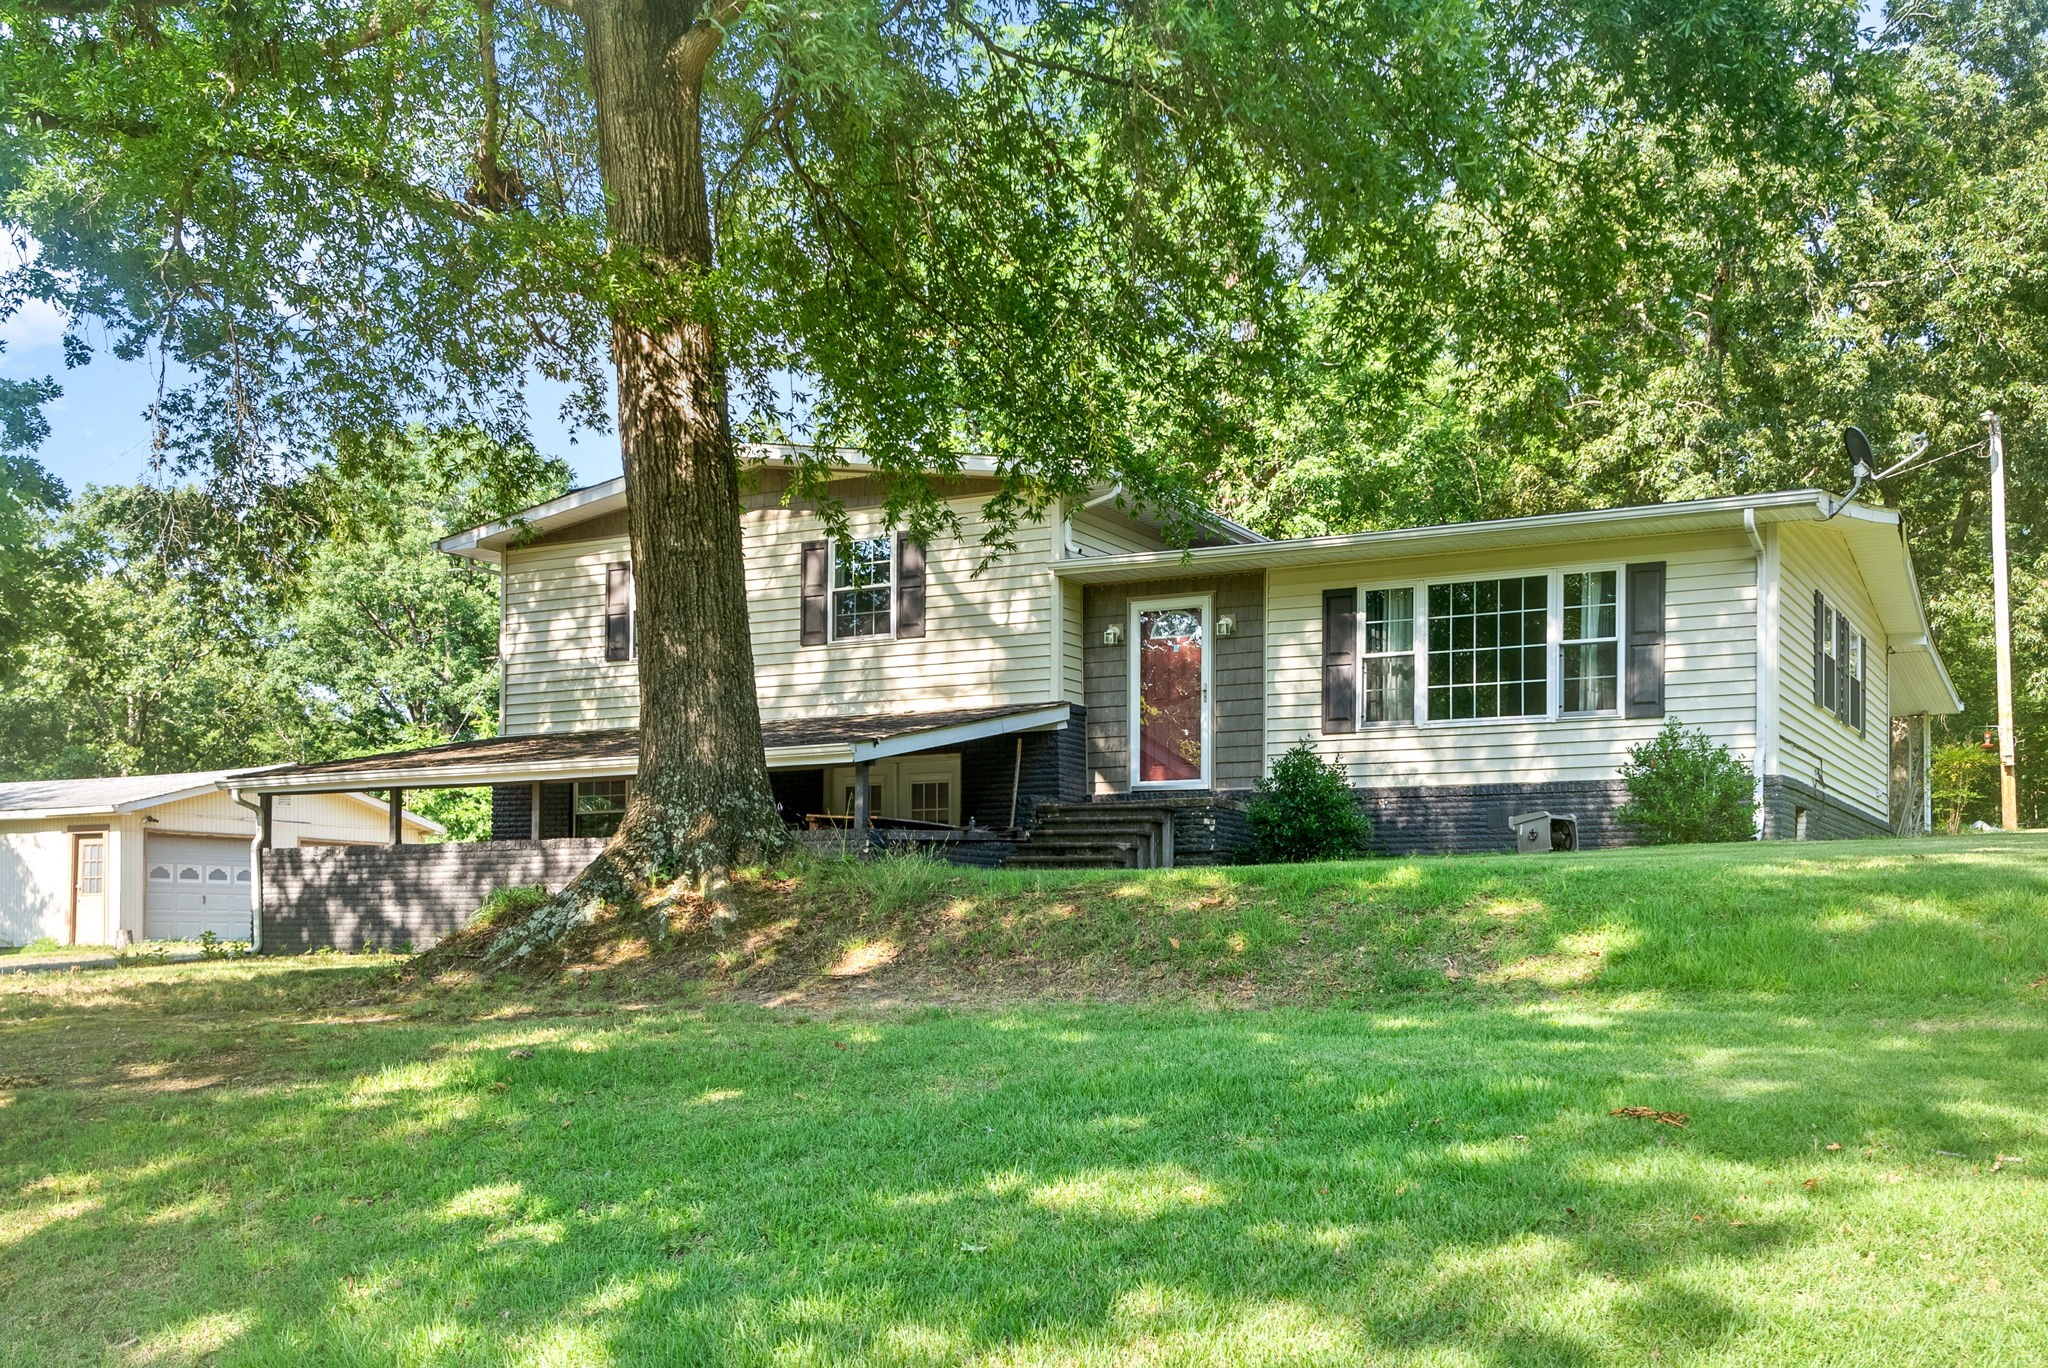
<point>315,1161</point>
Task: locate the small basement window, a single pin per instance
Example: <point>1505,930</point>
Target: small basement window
<point>600,806</point>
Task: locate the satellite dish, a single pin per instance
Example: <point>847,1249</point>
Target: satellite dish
<point>1860,457</point>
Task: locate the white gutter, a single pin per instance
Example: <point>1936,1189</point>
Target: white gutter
<point>1712,513</point>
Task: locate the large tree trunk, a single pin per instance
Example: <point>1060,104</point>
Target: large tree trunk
<point>702,801</point>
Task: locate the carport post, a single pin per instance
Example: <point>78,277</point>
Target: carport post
<point>397,804</point>
<point>860,795</point>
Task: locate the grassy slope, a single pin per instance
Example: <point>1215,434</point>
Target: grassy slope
<point>1929,921</point>
<point>313,1162</point>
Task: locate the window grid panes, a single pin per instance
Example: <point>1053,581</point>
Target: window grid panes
<point>1488,651</point>
<point>862,596</point>
<point>1387,651</point>
<point>931,801</point>
<point>600,806</point>
<point>91,867</point>
<point>1592,654</point>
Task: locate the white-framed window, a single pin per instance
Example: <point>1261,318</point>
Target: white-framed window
<point>1386,654</point>
<point>931,800</point>
<point>863,591</point>
<point>1591,644</point>
<point>600,806</point>
<point>1489,648</point>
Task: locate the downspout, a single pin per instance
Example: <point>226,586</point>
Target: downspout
<point>1073,548</point>
<point>257,845</point>
<point>1764,703</point>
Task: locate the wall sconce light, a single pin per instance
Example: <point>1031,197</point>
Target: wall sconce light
<point>1113,635</point>
<point>1226,626</point>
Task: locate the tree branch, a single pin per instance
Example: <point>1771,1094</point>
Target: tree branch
<point>419,198</point>
<point>692,52</point>
<point>386,24</point>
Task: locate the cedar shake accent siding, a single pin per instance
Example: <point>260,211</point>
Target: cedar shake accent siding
<point>1237,699</point>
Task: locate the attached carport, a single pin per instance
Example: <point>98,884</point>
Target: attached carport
<point>407,895</point>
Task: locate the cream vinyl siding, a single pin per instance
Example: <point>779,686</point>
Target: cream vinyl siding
<point>1071,689</point>
<point>1709,661</point>
<point>1106,532</point>
<point>35,857</point>
<point>1815,746</point>
<point>988,638</point>
<point>35,883</point>
<point>556,676</point>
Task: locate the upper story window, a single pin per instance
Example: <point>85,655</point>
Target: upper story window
<point>1591,643</point>
<point>863,588</point>
<point>1488,648</point>
<point>1840,663</point>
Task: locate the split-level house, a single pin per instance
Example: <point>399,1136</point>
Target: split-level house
<point>1094,680</point>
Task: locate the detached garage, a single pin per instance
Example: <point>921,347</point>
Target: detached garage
<point>156,857</point>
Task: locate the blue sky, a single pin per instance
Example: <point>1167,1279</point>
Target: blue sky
<point>99,434</point>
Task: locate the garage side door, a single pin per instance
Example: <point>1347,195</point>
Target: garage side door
<point>195,884</point>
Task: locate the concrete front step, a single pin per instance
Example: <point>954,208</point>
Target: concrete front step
<point>1075,855</point>
<point>1098,835</point>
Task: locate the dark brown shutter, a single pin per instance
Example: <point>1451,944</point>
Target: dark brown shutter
<point>815,562</point>
<point>909,587</point>
<point>1645,673</point>
<point>618,612</point>
<point>1340,660</point>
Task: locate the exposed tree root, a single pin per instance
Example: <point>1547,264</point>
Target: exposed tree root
<point>655,865</point>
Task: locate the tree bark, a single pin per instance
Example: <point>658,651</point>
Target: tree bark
<point>702,801</point>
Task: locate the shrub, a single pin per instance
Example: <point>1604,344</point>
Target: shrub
<point>1962,779</point>
<point>1305,810</point>
<point>508,904</point>
<point>1684,786</point>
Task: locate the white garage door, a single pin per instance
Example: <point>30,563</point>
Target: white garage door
<point>195,884</point>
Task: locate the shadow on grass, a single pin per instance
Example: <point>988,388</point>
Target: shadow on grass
<point>1442,1184</point>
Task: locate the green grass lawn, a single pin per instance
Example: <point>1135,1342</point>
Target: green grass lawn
<point>1402,1153</point>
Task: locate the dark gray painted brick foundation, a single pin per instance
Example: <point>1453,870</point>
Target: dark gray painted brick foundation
<point>1827,818</point>
<point>349,897</point>
<point>1054,771</point>
<point>1473,818</point>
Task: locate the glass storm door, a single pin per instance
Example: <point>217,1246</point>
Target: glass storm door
<point>1172,692</point>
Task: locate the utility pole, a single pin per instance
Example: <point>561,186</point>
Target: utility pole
<point>2001,607</point>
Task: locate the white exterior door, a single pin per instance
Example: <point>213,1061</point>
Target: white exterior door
<point>88,888</point>
<point>195,884</point>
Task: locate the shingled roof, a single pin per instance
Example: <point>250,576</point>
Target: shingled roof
<point>617,749</point>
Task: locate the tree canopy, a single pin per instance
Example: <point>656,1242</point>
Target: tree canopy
<point>1342,263</point>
